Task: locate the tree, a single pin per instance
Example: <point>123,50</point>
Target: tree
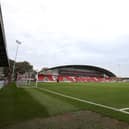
<point>23,67</point>
<point>20,67</point>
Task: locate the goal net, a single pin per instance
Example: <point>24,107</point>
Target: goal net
<point>26,80</point>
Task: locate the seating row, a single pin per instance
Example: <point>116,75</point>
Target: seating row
<point>52,78</point>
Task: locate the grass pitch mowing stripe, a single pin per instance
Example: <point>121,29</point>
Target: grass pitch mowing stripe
<point>19,104</point>
<point>110,94</point>
<point>85,101</point>
<point>54,105</point>
<point>81,100</point>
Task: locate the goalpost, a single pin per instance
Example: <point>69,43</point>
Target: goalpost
<point>27,80</point>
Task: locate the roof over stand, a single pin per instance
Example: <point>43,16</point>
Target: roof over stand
<point>4,62</point>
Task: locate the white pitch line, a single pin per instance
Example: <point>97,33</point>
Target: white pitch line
<point>125,112</point>
<point>26,87</point>
<point>123,109</point>
<point>1,87</point>
<point>84,101</point>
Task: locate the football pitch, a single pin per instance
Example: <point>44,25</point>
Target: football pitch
<point>111,99</point>
<point>50,99</point>
<point>114,96</point>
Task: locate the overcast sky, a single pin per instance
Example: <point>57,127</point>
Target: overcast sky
<point>63,32</point>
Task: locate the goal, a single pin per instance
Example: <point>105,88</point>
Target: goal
<point>26,80</point>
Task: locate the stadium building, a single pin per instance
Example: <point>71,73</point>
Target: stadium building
<point>3,49</point>
<point>75,73</point>
<point>4,62</point>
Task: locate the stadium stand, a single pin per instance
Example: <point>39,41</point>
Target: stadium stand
<point>51,78</point>
<point>3,52</point>
<point>76,73</point>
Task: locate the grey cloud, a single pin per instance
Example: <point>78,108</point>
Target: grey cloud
<point>46,49</point>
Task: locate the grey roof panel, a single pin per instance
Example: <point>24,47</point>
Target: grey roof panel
<point>89,67</point>
<point>3,50</point>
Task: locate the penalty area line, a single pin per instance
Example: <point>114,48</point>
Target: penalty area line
<point>84,101</point>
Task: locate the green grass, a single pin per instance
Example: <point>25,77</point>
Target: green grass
<point>19,104</point>
<point>111,94</point>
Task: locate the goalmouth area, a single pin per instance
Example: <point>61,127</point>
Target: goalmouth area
<point>50,99</point>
